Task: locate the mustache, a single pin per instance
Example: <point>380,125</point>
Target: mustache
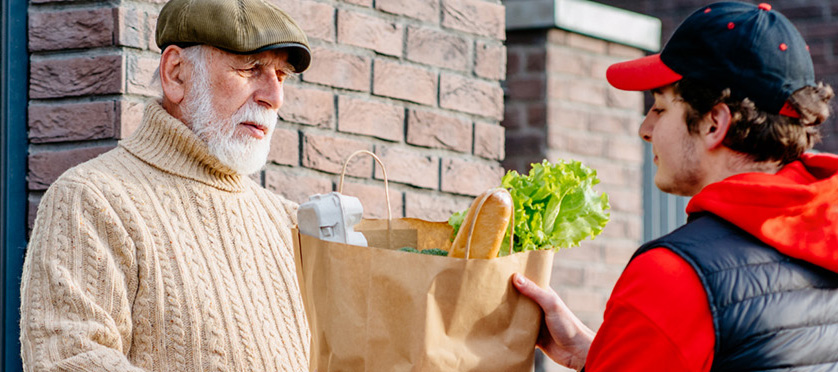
<point>252,112</point>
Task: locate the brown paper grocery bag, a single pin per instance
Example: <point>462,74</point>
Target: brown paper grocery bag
<point>379,309</point>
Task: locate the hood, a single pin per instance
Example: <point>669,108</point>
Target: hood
<point>794,210</point>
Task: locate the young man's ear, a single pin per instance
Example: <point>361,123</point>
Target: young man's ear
<point>173,72</point>
<point>714,128</point>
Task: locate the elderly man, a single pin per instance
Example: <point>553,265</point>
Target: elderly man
<point>162,254</point>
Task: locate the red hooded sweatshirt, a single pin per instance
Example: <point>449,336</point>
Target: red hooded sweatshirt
<point>658,317</point>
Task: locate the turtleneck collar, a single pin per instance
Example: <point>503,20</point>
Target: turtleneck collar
<point>168,144</point>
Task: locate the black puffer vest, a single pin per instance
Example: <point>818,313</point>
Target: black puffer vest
<point>770,312</point>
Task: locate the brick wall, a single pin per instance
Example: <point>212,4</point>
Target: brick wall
<point>90,65</point>
<point>817,20</point>
<point>416,82</point>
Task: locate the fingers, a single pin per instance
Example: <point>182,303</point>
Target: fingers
<point>547,299</point>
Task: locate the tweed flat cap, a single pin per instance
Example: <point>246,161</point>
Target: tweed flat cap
<point>237,26</point>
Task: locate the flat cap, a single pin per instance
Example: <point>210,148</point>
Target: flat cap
<point>236,26</point>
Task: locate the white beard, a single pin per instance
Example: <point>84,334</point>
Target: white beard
<point>243,154</point>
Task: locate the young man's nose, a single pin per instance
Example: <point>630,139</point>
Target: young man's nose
<point>645,130</point>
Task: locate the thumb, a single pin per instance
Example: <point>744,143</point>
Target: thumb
<point>544,298</point>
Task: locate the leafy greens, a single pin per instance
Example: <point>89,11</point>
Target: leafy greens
<point>555,206</point>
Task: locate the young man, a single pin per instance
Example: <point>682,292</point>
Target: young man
<point>750,283</point>
<point>162,254</point>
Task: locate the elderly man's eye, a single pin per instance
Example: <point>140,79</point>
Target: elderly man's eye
<point>249,71</point>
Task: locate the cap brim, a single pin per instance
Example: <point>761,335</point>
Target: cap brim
<point>299,55</point>
<point>641,74</point>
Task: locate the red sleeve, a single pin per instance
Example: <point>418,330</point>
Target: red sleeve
<point>657,318</point>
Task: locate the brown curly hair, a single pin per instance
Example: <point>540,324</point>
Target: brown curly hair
<point>761,135</point>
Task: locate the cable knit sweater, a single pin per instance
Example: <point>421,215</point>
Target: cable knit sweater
<point>154,256</point>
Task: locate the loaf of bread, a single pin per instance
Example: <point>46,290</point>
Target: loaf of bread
<point>485,225</point>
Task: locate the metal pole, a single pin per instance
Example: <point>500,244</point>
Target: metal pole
<point>13,144</point>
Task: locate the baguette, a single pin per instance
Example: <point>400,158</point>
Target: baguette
<point>489,214</point>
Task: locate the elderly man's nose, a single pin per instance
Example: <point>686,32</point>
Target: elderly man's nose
<point>270,92</point>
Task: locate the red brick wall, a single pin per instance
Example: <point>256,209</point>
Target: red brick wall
<point>416,82</point>
<point>90,65</point>
<point>817,20</point>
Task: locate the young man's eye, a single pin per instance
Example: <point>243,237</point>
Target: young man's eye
<point>657,111</point>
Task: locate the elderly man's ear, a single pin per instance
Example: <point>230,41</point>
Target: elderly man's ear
<point>174,73</point>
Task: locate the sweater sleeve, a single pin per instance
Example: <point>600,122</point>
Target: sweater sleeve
<point>78,284</point>
<point>658,317</point>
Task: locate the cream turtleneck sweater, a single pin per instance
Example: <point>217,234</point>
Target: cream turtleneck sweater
<point>154,256</point>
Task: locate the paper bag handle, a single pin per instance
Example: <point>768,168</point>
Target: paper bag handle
<point>386,186</point>
<point>477,208</point>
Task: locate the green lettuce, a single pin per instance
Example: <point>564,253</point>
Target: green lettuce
<point>555,207</point>
<point>456,220</point>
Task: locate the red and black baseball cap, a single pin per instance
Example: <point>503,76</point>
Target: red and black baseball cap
<point>753,50</point>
